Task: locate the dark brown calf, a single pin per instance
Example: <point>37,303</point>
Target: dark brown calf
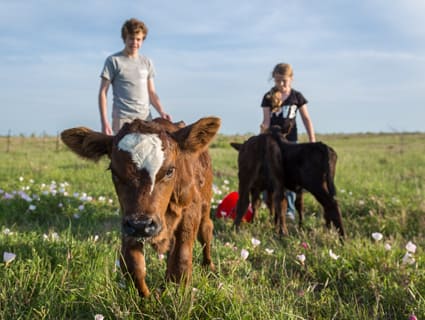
<point>163,178</point>
<point>309,166</point>
<point>254,174</point>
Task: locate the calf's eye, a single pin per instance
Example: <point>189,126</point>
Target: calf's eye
<point>170,172</point>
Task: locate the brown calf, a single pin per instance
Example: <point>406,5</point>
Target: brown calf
<point>254,174</point>
<point>163,178</point>
<point>269,162</point>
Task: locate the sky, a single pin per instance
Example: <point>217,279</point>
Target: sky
<point>359,63</point>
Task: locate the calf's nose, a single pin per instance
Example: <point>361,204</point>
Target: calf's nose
<point>142,227</point>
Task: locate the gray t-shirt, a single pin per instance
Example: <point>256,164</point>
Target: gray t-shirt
<point>129,79</point>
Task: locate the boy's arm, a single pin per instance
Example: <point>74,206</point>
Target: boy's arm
<point>103,93</point>
<point>154,100</point>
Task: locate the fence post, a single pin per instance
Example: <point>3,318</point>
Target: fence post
<point>8,141</point>
<point>57,142</point>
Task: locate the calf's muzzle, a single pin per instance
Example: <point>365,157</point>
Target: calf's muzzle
<point>143,227</point>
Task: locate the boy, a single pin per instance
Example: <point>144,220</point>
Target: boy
<point>131,76</point>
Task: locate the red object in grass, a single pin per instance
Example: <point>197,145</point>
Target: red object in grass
<point>227,208</point>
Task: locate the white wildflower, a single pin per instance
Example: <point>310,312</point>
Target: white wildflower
<point>301,258</point>
<point>8,257</point>
<point>377,236</point>
<point>411,247</point>
<point>255,242</point>
<point>244,254</point>
<point>269,251</point>
<point>408,258</point>
<point>333,255</point>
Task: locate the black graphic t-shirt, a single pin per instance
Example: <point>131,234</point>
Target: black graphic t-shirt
<point>288,109</point>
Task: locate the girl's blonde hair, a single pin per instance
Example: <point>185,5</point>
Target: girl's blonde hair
<point>276,99</point>
<point>284,69</point>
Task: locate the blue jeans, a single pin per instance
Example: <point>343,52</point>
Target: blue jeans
<point>291,196</point>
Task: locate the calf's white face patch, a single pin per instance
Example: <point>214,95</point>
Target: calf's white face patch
<point>146,152</point>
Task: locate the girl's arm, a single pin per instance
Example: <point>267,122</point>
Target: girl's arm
<point>308,124</point>
<point>266,119</point>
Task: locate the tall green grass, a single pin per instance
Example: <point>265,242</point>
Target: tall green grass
<point>58,215</point>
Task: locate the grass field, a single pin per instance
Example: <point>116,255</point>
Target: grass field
<point>60,236</point>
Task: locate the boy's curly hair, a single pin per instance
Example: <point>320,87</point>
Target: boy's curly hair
<point>133,26</point>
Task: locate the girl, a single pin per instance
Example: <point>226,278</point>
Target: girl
<point>283,102</point>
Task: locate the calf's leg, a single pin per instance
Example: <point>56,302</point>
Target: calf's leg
<point>255,202</point>
<point>133,264</point>
<point>179,263</point>
<point>269,202</point>
<point>299,205</point>
<point>246,181</point>
<point>241,206</point>
<point>205,235</point>
<point>331,209</point>
<point>280,207</point>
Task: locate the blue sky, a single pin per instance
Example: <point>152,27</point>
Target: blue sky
<point>361,64</point>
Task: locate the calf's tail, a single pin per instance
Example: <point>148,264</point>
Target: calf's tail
<point>330,165</point>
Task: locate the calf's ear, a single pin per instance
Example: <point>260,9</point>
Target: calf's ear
<point>236,145</point>
<point>87,143</point>
<point>197,136</point>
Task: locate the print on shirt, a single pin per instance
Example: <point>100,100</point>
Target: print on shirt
<point>286,111</point>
